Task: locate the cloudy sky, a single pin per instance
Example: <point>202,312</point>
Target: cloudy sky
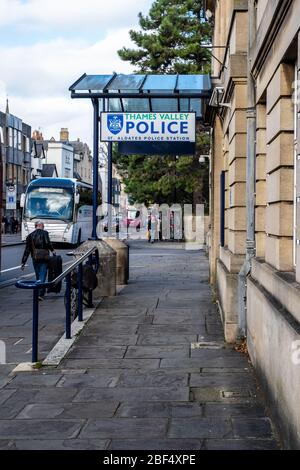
<point>47,44</point>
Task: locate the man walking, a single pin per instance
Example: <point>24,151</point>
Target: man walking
<point>38,245</point>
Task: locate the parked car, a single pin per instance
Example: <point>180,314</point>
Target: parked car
<point>132,220</point>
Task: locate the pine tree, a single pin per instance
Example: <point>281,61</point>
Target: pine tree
<point>170,39</point>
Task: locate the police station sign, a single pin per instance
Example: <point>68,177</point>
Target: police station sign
<point>151,127</point>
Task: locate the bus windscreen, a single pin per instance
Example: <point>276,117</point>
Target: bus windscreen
<point>49,203</point>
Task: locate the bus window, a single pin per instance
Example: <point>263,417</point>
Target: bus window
<point>49,203</point>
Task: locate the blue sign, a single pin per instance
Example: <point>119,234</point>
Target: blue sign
<point>11,197</point>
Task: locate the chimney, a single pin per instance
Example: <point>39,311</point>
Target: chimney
<point>37,135</point>
<point>64,134</point>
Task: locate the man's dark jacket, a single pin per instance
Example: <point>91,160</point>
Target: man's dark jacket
<point>40,239</point>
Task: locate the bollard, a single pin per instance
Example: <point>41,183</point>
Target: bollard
<point>35,326</point>
<point>122,251</point>
<point>107,279</point>
<point>68,306</point>
<point>80,293</point>
<point>107,267</point>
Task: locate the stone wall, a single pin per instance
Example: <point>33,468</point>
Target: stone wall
<point>271,338</point>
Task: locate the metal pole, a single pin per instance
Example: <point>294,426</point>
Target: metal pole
<point>128,260</point>
<point>222,208</point>
<point>250,178</point>
<point>35,325</point>
<point>68,306</point>
<point>80,298</point>
<point>1,196</point>
<point>251,140</point>
<point>95,166</point>
<point>90,292</point>
<point>109,186</point>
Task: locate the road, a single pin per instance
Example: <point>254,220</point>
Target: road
<point>11,261</point>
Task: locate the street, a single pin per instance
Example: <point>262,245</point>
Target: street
<point>11,261</point>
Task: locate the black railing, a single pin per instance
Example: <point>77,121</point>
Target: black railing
<point>67,274</point>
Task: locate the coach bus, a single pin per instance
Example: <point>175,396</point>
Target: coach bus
<point>64,205</point>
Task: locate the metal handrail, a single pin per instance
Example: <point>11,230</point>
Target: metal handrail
<point>36,285</point>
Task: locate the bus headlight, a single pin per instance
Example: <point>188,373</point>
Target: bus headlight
<point>26,226</point>
<point>68,228</point>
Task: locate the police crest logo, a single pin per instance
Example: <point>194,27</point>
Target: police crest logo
<point>115,123</point>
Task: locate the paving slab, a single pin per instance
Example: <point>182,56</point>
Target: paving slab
<point>252,427</point>
<point>89,380</point>
<point>33,429</point>
<point>161,339</point>
<point>155,444</point>
<point>160,410</point>
<point>154,352</point>
<point>196,427</point>
<point>34,379</point>
<point>158,378</point>
<point>112,363</point>
<point>105,409</point>
<point>90,353</point>
<point>240,444</point>
<point>133,394</point>
<point>68,444</point>
<point>125,427</point>
<point>171,329</point>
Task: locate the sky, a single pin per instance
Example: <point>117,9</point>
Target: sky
<point>46,45</point>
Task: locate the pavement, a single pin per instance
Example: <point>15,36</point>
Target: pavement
<point>16,326</point>
<point>9,239</point>
<point>149,371</point>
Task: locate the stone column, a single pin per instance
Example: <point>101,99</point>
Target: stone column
<point>297,170</point>
<point>280,170</point>
<point>237,181</point>
<point>260,203</point>
<point>216,166</point>
<point>227,192</point>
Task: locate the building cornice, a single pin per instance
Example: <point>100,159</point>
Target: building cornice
<point>274,15</point>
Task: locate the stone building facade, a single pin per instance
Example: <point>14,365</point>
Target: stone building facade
<point>255,191</point>
<point>15,141</point>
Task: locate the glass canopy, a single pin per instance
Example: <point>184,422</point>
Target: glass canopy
<point>145,93</point>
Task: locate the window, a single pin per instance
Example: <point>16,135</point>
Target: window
<point>19,140</point>
<point>50,203</point>
<point>15,143</point>
<point>10,137</point>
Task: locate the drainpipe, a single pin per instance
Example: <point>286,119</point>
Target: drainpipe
<point>250,178</point>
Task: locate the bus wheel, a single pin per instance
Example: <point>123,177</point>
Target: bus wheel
<point>79,239</point>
